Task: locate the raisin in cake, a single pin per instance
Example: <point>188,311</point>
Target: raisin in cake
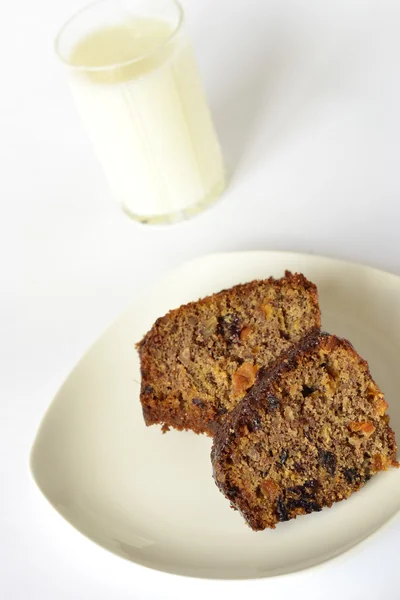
<point>198,360</point>
<point>311,431</point>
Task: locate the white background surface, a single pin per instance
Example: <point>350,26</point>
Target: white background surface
<point>305,96</point>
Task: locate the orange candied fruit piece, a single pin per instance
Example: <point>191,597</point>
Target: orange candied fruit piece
<point>364,427</point>
<point>244,378</point>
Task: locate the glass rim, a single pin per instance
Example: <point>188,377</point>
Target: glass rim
<point>91,5</point>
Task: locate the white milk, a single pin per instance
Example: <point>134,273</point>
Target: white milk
<point>149,120</point>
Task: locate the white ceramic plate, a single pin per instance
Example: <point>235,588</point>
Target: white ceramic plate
<point>150,497</point>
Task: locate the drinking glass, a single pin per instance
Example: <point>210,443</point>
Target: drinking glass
<point>135,82</point>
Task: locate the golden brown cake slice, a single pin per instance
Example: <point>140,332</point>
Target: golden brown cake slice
<point>310,432</point>
<point>199,360</point>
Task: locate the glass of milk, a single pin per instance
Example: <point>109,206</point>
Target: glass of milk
<point>135,82</point>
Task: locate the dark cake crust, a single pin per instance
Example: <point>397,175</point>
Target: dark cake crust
<point>198,361</point>
<point>276,457</point>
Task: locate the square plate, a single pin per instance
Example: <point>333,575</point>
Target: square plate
<point>150,497</point>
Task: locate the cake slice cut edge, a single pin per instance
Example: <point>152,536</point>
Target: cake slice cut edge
<point>198,361</point>
<point>311,431</point>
